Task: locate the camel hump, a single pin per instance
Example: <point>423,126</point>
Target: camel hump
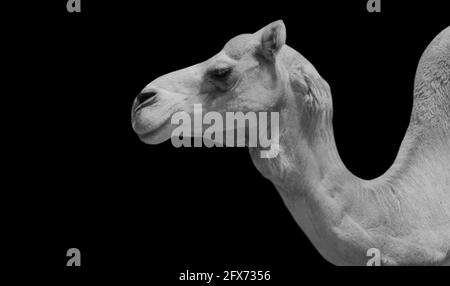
<point>432,84</point>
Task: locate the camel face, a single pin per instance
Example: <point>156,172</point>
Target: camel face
<point>244,76</point>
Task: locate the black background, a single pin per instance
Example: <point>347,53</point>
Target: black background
<point>150,212</point>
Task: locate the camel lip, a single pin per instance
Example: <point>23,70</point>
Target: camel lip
<point>150,133</point>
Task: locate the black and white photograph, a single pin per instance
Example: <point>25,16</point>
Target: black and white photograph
<point>229,142</point>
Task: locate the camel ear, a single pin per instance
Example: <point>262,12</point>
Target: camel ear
<point>273,37</point>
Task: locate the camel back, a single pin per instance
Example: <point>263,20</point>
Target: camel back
<point>432,85</point>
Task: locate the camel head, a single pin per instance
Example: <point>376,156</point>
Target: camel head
<point>244,76</point>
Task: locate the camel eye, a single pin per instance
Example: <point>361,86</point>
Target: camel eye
<point>221,73</point>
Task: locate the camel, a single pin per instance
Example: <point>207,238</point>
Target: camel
<point>405,213</point>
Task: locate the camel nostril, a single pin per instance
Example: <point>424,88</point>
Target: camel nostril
<point>143,97</point>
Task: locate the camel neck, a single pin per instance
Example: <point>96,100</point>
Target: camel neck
<point>308,174</point>
<point>304,163</point>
